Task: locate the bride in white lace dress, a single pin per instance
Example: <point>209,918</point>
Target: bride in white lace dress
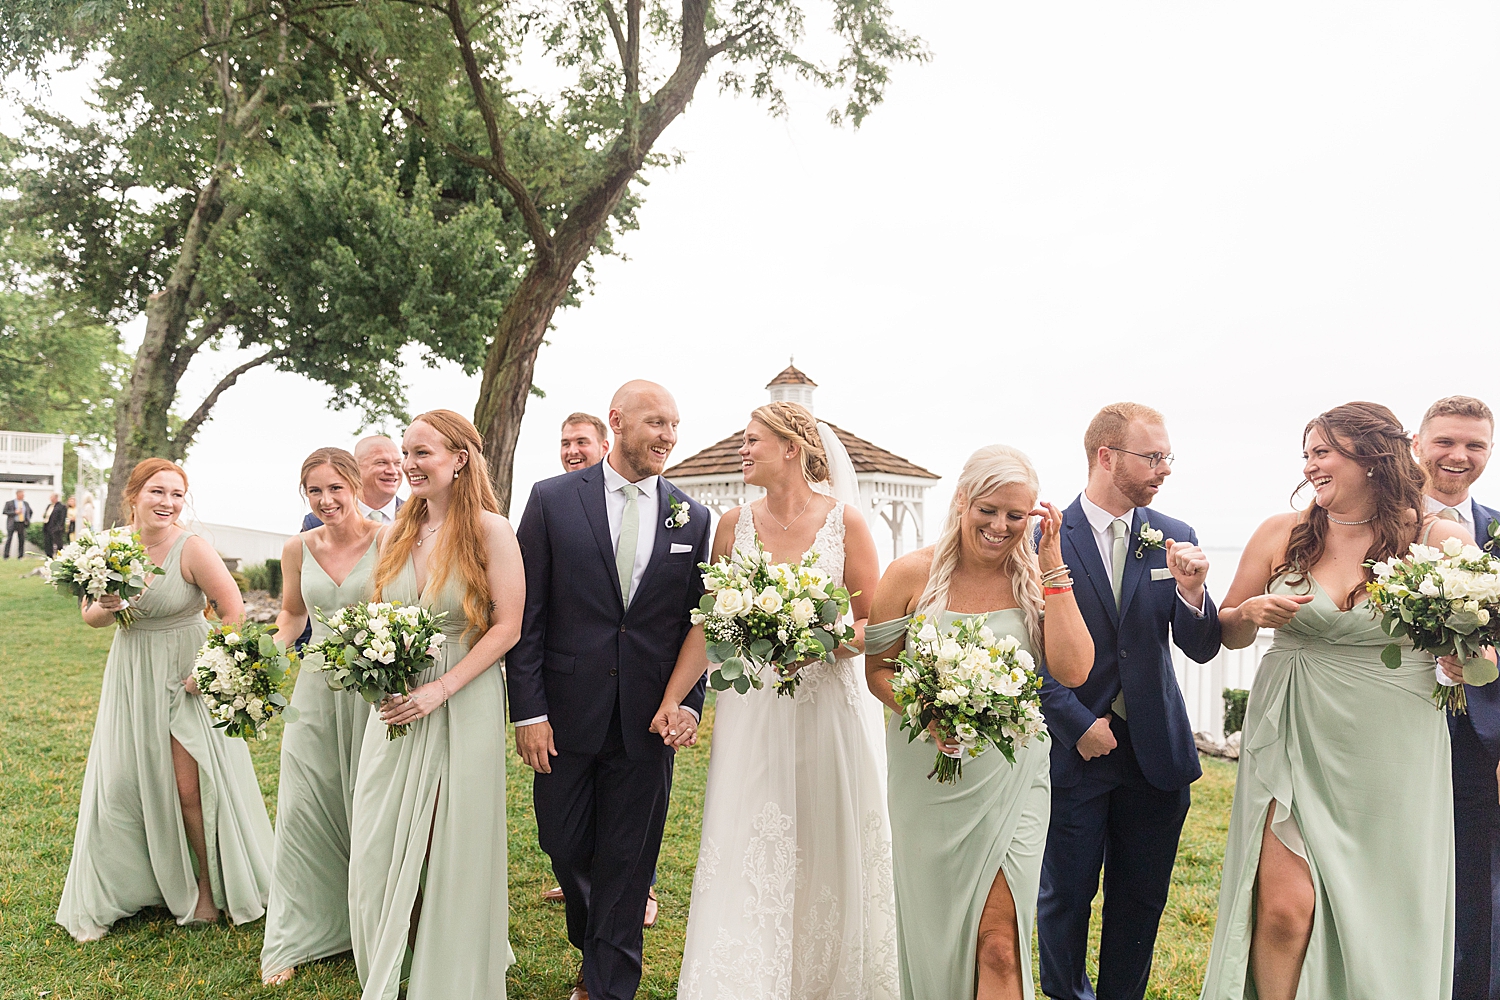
<point>793,896</point>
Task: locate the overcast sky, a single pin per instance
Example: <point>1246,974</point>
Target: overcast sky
<point>1238,214</point>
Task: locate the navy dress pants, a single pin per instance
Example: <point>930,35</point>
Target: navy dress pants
<point>600,818</point>
<point>1116,820</point>
<point>1476,826</point>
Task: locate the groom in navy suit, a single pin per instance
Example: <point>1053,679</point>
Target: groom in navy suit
<point>612,575</point>
<point>1453,445</point>
<point>1122,748</point>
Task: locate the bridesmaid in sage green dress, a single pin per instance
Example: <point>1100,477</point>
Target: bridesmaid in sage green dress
<point>1338,874</point>
<point>171,813</point>
<point>428,828</point>
<point>968,856</point>
<point>324,569</point>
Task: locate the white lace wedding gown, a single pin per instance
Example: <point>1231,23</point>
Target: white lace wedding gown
<point>793,897</point>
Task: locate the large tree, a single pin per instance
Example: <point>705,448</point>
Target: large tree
<point>59,372</point>
<point>607,77</point>
<point>239,190</point>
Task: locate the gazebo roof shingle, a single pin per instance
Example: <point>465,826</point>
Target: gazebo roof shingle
<point>722,458</point>
<point>792,375</point>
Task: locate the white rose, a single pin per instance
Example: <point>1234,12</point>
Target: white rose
<point>927,633</point>
<point>729,602</point>
<point>1025,660</point>
<point>239,654</point>
<point>1452,546</point>
<point>232,639</point>
<point>949,650</point>
<point>769,600</point>
<point>803,610</point>
<point>1483,616</point>
<point>1428,587</point>
<point>949,697</point>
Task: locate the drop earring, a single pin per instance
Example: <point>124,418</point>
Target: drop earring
<point>455,473</point>
<point>1369,473</point>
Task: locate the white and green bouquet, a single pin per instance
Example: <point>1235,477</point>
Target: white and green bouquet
<point>760,615</point>
<point>377,649</point>
<point>240,671</point>
<point>1447,602</point>
<point>979,690</point>
<point>97,564</point>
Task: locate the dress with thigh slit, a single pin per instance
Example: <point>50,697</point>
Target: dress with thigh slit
<point>131,849</point>
<point>308,915</point>
<point>949,842</point>
<point>1354,758</point>
<point>429,814</point>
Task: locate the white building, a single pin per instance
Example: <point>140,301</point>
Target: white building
<point>890,487</point>
<point>31,462</point>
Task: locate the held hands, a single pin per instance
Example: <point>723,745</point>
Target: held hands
<point>534,744</point>
<point>1049,545</point>
<point>1097,740</point>
<point>675,725</point>
<point>403,710</point>
<point>1189,568</point>
<point>1272,610</point>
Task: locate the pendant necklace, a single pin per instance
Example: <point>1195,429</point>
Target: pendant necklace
<point>767,508</point>
<point>430,532</point>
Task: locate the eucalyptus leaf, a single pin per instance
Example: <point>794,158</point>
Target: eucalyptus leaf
<point>762,648</point>
<point>290,714</point>
<point>1479,671</point>
<point>1462,622</point>
<point>733,668</point>
<point>742,684</point>
<point>266,646</point>
<point>718,681</point>
<point>1391,656</point>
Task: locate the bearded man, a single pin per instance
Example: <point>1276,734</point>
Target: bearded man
<point>1453,445</point>
<point>1122,747</point>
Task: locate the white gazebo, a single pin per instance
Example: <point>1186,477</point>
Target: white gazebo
<point>890,487</point>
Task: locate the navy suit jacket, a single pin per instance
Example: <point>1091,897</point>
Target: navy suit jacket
<point>311,520</point>
<point>1130,651</point>
<point>580,650</point>
<point>1484,702</point>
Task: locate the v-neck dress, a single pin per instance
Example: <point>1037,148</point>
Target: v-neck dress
<point>308,916</point>
<point>1354,758</point>
<point>429,814</point>
<point>131,850</point>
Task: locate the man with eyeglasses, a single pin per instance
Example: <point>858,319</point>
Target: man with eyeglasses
<point>1123,755</point>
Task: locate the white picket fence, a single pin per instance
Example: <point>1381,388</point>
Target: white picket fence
<point>1203,684</point>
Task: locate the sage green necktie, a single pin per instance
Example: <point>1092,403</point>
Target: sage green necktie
<point>376,516</point>
<point>1450,514</point>
<point>1118,528</point>
<point>630,529</point>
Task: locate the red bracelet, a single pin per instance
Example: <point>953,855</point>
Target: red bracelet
<point>1049,591</point>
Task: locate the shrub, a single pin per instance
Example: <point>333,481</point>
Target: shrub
<point>239,580</point>
<point>265,576</point>
<point>34,536</point>
<point>1234,710</point>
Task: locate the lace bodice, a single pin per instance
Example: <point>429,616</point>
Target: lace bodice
<point>828,543</point>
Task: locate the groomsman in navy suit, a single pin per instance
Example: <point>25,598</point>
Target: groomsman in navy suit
<point>1122,748</point>
<point>1453,446</point>
<point>612,555</point>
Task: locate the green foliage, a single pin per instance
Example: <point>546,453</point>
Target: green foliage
<point>59,371</point>
<point>240,580</point>
<point>265,576</point>
<point>1235,700</point>
<point>34,535</point>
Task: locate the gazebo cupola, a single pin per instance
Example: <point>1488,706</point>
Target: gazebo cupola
<point>890,487</point>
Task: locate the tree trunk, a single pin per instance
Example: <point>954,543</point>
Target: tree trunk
<point>142,420</point>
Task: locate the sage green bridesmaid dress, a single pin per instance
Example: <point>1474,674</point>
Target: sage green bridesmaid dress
<point>308,916</point>
<point>1354,757</point>
<point>429,814</point>
<point>131,849</point>
<point>949,841</point>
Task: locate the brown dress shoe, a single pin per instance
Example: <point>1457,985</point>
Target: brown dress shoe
<point>553,895</point>
<point>652,908</point>
<point>580,991</point>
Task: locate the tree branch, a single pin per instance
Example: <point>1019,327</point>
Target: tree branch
<point>536,227</point>
<point>633,58</point>
<point>189,429</point>
<point>619,33</point>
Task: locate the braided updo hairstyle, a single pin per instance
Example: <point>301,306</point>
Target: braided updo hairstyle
<point>793,422</point>
<point>1370,435</point>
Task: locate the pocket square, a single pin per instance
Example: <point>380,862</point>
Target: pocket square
<point>1161,574</point>
<point>679,547</point>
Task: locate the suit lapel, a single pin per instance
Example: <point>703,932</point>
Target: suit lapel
<point>591,492</point>
<point>1481,522</point>
<point>1078,533</point>
<point>1134,568</point>
<point>662,546</point>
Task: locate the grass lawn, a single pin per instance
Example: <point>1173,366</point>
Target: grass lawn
<point>52,663</point>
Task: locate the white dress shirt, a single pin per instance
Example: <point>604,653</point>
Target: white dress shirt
<point>387,513</point>
<point>648,509</point>
<point>1099,522</point>
<point>1464,510</point>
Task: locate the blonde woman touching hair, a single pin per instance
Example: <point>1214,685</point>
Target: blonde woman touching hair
<point>968,857</point>
<point>162,785</point>
<point>427,865</point>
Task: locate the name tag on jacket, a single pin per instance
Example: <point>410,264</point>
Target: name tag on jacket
<point>679,547</point>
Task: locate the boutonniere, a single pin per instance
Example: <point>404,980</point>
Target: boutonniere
<point>681,513</point>
<point>1149,538</point>
<point>1493,530</point>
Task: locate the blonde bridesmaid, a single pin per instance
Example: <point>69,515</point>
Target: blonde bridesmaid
<point>171,814</point>
<point>324,569</point>
<point>427,867</point>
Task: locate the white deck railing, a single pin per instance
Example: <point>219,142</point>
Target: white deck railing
<point>1203,684</point>
<point>19,450</point>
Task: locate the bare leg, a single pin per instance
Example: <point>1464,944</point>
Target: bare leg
<point>186,769</point>
<point>1283,917</point>
<point>416,906</point>
<point>999,952</point>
